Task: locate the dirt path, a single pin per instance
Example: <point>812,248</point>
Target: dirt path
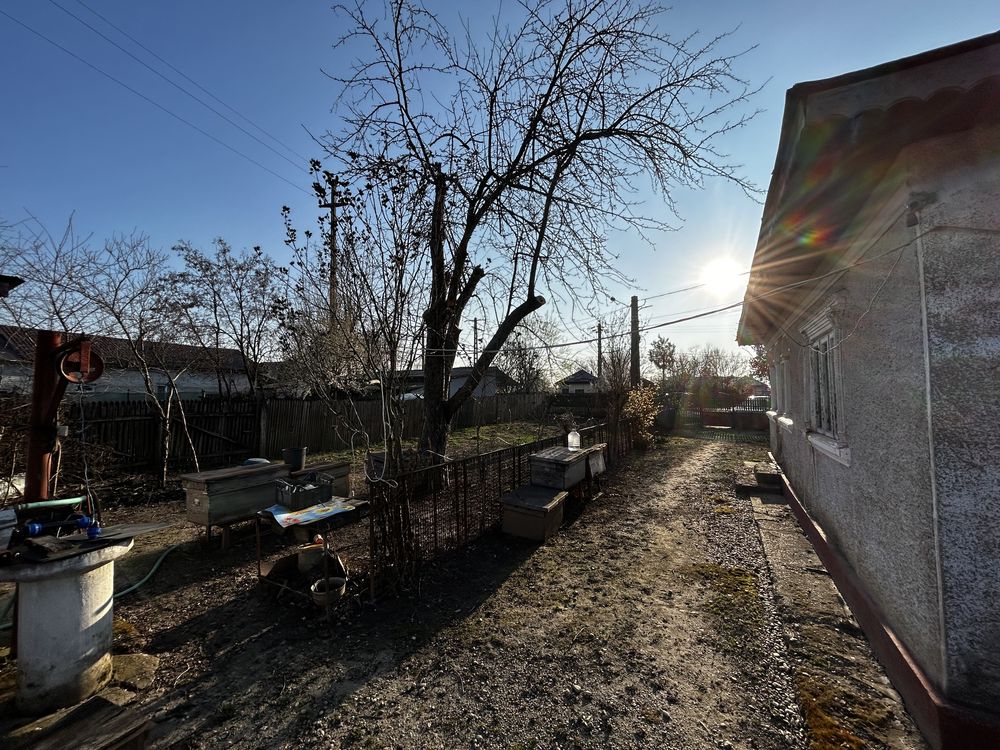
<point>649,622</point>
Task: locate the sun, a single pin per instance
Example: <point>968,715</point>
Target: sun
<point>723,277</point>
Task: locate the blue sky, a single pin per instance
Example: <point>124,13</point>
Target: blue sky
<point>73,141</point>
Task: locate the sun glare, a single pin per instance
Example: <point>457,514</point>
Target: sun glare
<point>723,277</point>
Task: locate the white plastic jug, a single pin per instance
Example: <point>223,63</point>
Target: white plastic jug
<point>573,441</point>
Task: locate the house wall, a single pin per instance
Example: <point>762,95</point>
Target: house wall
<point>961,265</point>
<point>873,499</point>
<point>15,376</point>
<point>914,507</point>
<point>578,388</point>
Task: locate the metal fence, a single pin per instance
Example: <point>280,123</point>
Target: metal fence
<point>422,514</point>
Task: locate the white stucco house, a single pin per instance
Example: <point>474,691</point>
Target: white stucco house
<point>203,371</point>
<point>580,381</point>
<point>875,287</point>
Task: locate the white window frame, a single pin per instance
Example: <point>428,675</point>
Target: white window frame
<point>824,413</point>
<point>781,393</point>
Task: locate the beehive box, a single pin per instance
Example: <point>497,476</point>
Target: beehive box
<point>534,513</point>
<point>558,467</point>
<point>223,496</point>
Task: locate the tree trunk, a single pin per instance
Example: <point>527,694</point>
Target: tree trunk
<point>165,446</point>
<point>435,433</point>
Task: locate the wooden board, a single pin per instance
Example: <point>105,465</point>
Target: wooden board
<point>559,455</point>
<point>97,724</point>
<point>234,478</point>
<point>530,497</point>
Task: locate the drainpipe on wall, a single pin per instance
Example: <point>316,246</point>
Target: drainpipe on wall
<point>918,201</point>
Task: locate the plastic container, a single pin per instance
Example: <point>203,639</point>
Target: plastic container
<point>295,458</point>
<point>573,441</point>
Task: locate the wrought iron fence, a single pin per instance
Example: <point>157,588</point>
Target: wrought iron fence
<point>422,514</point>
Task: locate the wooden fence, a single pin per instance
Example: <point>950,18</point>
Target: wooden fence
<point>225,431</point>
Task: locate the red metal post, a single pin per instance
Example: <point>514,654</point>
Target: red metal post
<point>42,429</point>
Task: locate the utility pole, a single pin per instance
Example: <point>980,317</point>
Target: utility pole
<point>634,370</point>
<point>475,341</point>
<point>333,184</point>
<point>600,354</point>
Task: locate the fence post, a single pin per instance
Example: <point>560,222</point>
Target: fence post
<point>261,426</point>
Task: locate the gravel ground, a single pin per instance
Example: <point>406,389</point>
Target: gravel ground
<point>649,622</point>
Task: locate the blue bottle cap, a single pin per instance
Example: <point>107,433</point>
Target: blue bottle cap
<point>94,530</point>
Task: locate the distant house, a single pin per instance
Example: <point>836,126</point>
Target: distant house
<point>494,381</point>
<point>205,370</point>
<point>874,287</point>
<point>580,381</point>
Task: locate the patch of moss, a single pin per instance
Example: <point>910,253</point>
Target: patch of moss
<point>734,604</point>
<point>836,715</point>
<point>826,731</point>
<point>724,510</point>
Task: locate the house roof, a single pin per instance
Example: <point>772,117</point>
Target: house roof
<point>839,138</point>
<point>580,377</point>
<point>18,345</point>
<point>501,377</point>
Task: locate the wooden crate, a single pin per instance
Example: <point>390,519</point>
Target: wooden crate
<point>533,512</point>
<point>558,467</point>
<point>222,496</point>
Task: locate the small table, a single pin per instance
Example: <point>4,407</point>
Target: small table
<point>318,519</point>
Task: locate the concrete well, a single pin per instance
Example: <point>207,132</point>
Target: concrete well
<point>64,627</point>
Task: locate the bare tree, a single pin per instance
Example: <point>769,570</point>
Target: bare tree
<point>227,301</point>
<point>46,262</point>
<point>663,354</point>
<point>113,290</point>
<point>523,361</point>
<point>364,330</point>
<point>717,376</point>
<point>527,152</point>
<point>123,282</point>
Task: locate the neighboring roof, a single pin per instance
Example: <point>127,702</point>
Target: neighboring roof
<point>580,377</point>
<point>18,345</point>
<point>839,138</point>
<point>463,372</point>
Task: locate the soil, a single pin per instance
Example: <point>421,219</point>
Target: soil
<point>651,620</point>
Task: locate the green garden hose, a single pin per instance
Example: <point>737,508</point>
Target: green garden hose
<point>119,594</point>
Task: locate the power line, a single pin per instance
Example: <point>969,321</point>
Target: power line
<point>857,323</point>
<point>156,104</point>
<point>190,80</point>
<point>742,302</point>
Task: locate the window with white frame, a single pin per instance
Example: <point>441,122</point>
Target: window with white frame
<point>823,375</point>
<point>781,390</point>
<point>823,391</point>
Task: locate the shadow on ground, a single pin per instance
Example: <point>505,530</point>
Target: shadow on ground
<point>254,651</point>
